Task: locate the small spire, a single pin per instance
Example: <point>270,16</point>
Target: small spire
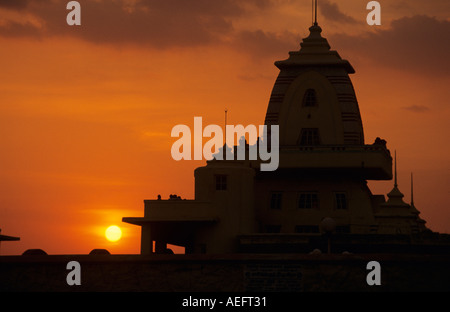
<point>395,196</point>
<point>412,190</point>
<point>395,168</point>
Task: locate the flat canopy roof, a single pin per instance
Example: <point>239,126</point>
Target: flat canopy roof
<point>142,221</point>
<point>8,238</point>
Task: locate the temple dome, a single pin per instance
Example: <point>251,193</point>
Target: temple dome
<point>313,100</point>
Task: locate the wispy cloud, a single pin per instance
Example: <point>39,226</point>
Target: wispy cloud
<point>14,4</point>
<point>417,44</point>
<point>416,108</point>
<point>260,43</point>
<point>331,12</point>
<point>153,23</point>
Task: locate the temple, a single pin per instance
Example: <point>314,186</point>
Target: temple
<point>324,166</point>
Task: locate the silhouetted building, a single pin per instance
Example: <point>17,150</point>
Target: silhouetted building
<point>323,170</point>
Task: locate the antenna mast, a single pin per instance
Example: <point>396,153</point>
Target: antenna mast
<point>226,112</point>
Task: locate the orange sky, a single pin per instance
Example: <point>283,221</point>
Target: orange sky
<point>86,111</point>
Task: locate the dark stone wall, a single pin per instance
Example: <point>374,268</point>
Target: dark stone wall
<point>225,273</point>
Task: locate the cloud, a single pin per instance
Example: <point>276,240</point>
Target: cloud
<point>156,24</point>
<point>259,43</point>
<point>16,29</point>
<point>418,44</point>
<point>417,108</point>
<point>153,23</point>
<point>13,4</point>
<point>331,12</point>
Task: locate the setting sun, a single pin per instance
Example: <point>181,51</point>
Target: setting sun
<point>113,233</point>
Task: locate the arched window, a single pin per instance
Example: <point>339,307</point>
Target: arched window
<point>310,98</point>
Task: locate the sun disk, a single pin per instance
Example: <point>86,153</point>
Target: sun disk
<point>113,233</point>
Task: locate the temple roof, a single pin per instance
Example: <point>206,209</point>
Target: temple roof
<point>314,51</point>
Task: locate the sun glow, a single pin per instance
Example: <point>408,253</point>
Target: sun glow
<point>113,233</point>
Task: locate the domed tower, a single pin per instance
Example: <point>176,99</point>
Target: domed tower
<point>323,161</point>
<point>313,100</point>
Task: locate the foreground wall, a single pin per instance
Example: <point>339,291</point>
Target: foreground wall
<point>238,273</point>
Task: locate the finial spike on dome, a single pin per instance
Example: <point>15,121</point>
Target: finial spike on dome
<point>315,14</point>
<point>395,169</point>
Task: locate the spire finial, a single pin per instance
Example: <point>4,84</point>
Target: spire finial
<point>315,12</point>
<point>395,169</point>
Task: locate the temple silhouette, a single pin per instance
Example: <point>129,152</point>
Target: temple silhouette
<point>311,225</point>
<point>317,197</point>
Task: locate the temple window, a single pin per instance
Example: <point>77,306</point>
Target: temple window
<point>309,136</point>
<point>221,182</point>
<point>340,201</point>
<point>310,98</point>
<point>275,200</point>
<point>308,201</point>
